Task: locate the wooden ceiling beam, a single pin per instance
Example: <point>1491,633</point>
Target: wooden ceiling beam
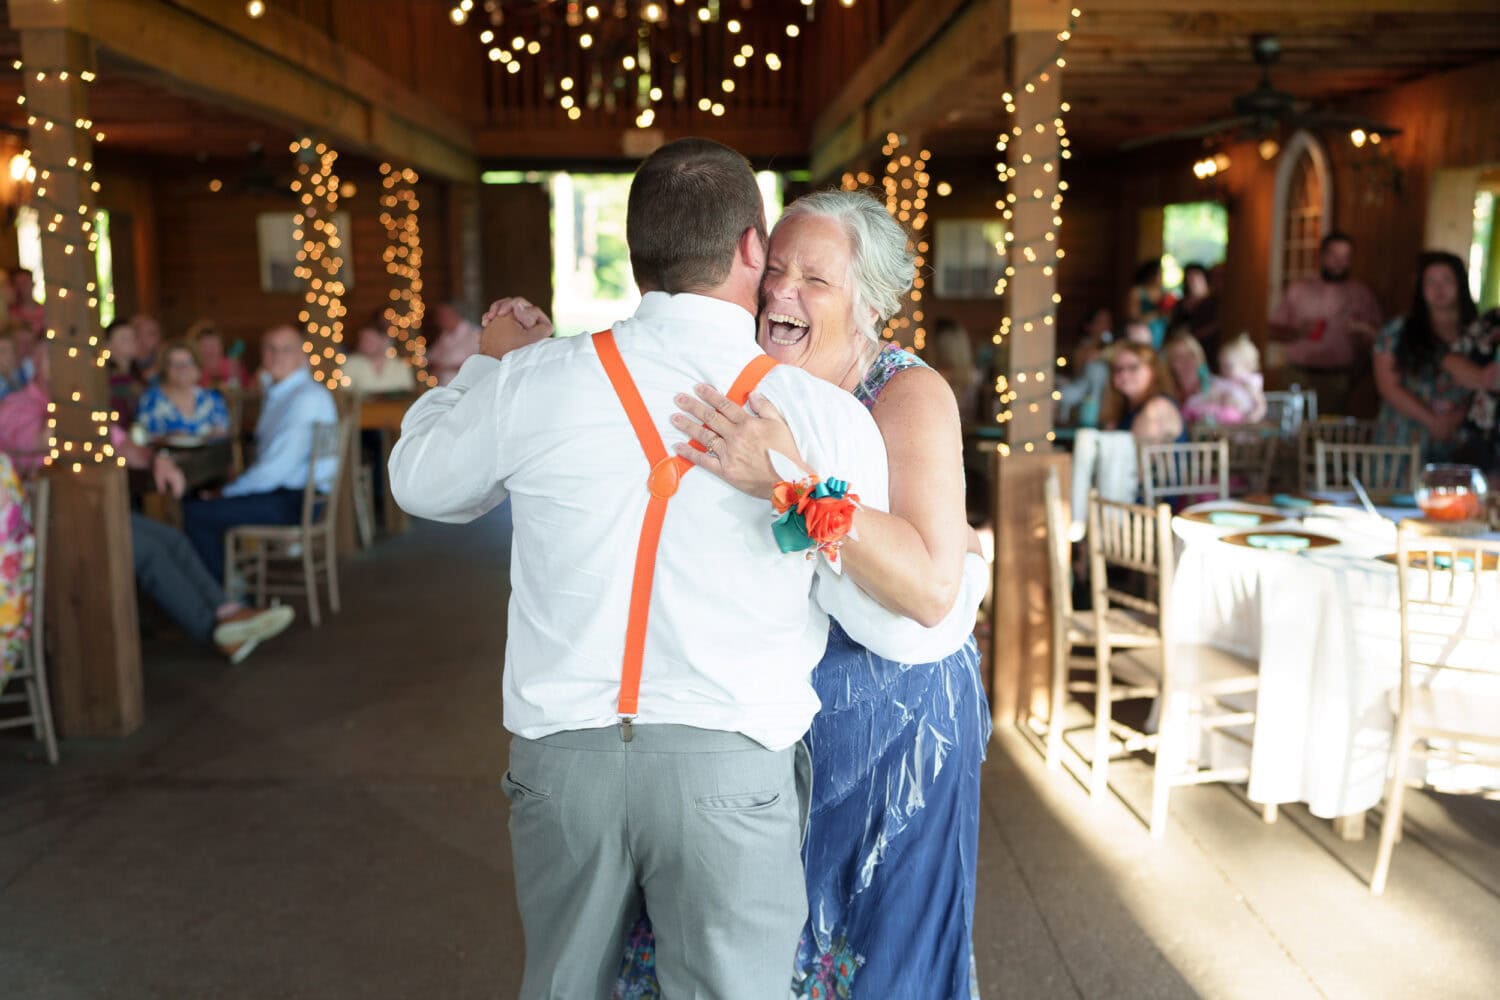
<point>274,68</point>
<point>528,145</point>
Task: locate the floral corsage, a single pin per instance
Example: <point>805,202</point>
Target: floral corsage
<point>813,515</point>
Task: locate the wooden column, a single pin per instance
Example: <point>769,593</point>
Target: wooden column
<point>1021,653</point>
<point>91,610</point>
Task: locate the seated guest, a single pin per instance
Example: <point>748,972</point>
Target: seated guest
<point>124,348</point>
<point>952,356</point>
<point>1238,396</point>
<point>165,566</point>
<point>374,367</point>
<point>1198,311</point>
<point>11,375</point>
<point>177,404</point>
<point>24,308</point>
<point>1420,400</point>
<point>26,340</point>
<point>457,341</point>
<point>1137,399</point>
<point>1080,398</point>
<point>1149,301</point>
<point>270,490</point>
<point>1187,367</point>
<point>220,371</point>
<point>148,359</point>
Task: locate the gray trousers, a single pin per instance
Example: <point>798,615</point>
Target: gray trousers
<point>704,828</point>
<point>167,568</point>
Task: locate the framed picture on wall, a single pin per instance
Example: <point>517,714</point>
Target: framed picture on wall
<point>279,247</point>
<point>965,261</point>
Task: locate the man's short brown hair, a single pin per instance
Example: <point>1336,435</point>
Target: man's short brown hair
<point>690,203</point>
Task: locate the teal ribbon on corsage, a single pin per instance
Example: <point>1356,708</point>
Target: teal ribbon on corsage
<point>790,529</point>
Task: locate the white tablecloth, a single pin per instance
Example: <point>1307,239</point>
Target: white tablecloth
<point>1324,626</point>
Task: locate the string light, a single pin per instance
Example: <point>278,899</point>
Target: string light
<point>905,185</point>
<point>1039,250</point>
<point>72,423</point>
<point>319,262</point>
<point>652,29</point>
<point>403,262</point>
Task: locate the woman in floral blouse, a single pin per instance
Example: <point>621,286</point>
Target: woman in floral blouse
<point>1474,363</point>
<point>178,404</point>
<point>17,562</point>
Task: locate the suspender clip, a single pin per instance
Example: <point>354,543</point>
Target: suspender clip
<point>627,728</point>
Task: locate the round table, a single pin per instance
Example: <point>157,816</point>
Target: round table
<point>1324,626</point>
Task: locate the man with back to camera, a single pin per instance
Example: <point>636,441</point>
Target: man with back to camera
<point>690,797</point>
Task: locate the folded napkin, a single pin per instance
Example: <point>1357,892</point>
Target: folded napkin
<point>1446,562</point>
<point>1234,519</point>
<point>1402,500</point>
<point>1278,543</point>
<point>1287,500</point>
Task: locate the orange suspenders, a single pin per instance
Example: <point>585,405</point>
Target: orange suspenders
<point>666,473</point>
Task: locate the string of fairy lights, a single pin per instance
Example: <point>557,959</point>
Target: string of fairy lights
<point>647,70</point>
<point>905,184</point>
<point>319,262</point>
<point>403,262</point>
<point>1039,250</point>
<point>74,226</point>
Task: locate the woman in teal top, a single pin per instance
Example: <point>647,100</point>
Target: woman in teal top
<point>1421,401</point>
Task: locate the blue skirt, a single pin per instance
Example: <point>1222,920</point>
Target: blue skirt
<point>893,833</point>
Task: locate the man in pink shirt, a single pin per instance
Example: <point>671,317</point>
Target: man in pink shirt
<point>1326,325</point>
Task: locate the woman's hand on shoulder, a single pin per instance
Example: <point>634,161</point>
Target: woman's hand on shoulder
<point>736,441</point>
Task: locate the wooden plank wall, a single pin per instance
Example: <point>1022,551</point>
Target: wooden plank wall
<point>207,255</point>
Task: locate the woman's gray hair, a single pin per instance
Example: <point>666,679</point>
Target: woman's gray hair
<point>881,266</point>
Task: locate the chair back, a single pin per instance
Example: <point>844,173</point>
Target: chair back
<point>1334,430</point>
<point>330,442</point>
<point>1289,409</point>
<point>1135,538</point>
<point>1252,452</point>
<point>1184,470</point>
<point>1450,596</point>
<point>1059,549</point>
<point>1378,467</point>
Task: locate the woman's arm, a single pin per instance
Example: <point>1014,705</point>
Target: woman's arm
<point>1397,396</point>
<point>1479,378</point>
<point>910,560</point>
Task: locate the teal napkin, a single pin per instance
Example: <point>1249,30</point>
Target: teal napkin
<point>1278,543</point>
<point>1234,519</point>
<point>1285,500</point>
<point>1446,562</point>
<point>1402,500</point>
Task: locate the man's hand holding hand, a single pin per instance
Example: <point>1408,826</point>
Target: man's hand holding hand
<point>510,324</point>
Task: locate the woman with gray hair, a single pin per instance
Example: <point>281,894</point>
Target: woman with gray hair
<point>897,747</point>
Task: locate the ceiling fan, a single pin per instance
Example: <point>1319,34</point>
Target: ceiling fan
<point>1265,111</point>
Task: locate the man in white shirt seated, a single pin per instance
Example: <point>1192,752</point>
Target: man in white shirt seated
<point>270,490</point>
<point>692,800</point>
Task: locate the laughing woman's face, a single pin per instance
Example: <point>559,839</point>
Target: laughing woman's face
<point>807,298</point>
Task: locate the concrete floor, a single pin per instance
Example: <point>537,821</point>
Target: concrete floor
<point>324,821</point>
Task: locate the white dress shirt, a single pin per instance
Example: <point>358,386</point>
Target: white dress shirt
<point>733,633</point>
<point>284,437</point>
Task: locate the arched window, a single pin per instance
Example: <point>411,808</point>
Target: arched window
<point>1303,211</point>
